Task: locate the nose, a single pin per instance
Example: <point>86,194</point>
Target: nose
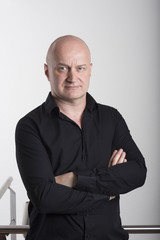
<point>71,76</point>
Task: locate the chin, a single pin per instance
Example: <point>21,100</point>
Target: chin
<point>75,96</point>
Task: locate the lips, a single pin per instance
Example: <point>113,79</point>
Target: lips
<point>71,87</point>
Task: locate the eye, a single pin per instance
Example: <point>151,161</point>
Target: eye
<point>81,68</point>
<point>62,69</point>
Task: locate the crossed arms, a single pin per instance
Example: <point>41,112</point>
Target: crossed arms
<point>70,179</point>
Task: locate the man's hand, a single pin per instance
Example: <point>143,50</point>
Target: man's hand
<point>68,179</point>
<point>117,157</point>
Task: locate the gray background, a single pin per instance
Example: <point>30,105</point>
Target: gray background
<point>124,37</point>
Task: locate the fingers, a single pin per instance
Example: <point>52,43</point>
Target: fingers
<point>112,197</point>
<point>112,157</point>
<point>117,157</point>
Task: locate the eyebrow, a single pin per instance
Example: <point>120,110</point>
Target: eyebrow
<point>63,64</point>
<point>82,65</point>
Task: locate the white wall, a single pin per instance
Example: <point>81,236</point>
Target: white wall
<point>124,37</point>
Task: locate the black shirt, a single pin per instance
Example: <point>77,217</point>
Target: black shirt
<point>48,144</point>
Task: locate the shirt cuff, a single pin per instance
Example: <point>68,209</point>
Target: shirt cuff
<point>99,197</point>
<point>86,183</point>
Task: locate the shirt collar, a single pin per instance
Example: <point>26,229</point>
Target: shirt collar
<point>50,103</point>
<point>91,103</point>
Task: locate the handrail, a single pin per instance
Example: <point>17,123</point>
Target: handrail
<point>144,229</point>
<point>5,186</point>
<point>3,189</point>
<point>16,229</point>
<point>131,229</point>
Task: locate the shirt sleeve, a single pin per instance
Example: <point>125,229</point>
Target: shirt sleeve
<point>121,178</point>
<point>36,171</point>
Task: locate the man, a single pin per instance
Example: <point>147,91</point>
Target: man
<point>75,156</point>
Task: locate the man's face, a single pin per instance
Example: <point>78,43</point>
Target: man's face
<point>69,71</point>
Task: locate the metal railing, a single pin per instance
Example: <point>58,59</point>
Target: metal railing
<point>131,229</point>
<point>142,229</point>
<point>3,189</point>
<point>14,229</point>
<point>5,186</point>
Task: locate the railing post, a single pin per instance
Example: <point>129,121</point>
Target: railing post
<point>12,210</point>
<point>2,237</point>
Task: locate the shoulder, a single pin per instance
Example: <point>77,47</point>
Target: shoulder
<point>32,119</point>
<point>114,117</point>
<point>104,107</point>
<point>33,114</point>
<point>109,111</point>
<point>111,115</point>
<point>41,114</point>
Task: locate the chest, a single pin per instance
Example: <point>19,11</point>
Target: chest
<point>69,147</point>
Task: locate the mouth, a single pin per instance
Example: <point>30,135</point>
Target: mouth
<point>72,87</point>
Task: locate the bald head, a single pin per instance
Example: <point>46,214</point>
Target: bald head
<point>68,42</point>
<point>68,69</point>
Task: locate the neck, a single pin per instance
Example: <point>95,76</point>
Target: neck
<point>72,109</point>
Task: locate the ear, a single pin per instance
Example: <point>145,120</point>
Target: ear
<point>91,64</point>
<point>46,71</point>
